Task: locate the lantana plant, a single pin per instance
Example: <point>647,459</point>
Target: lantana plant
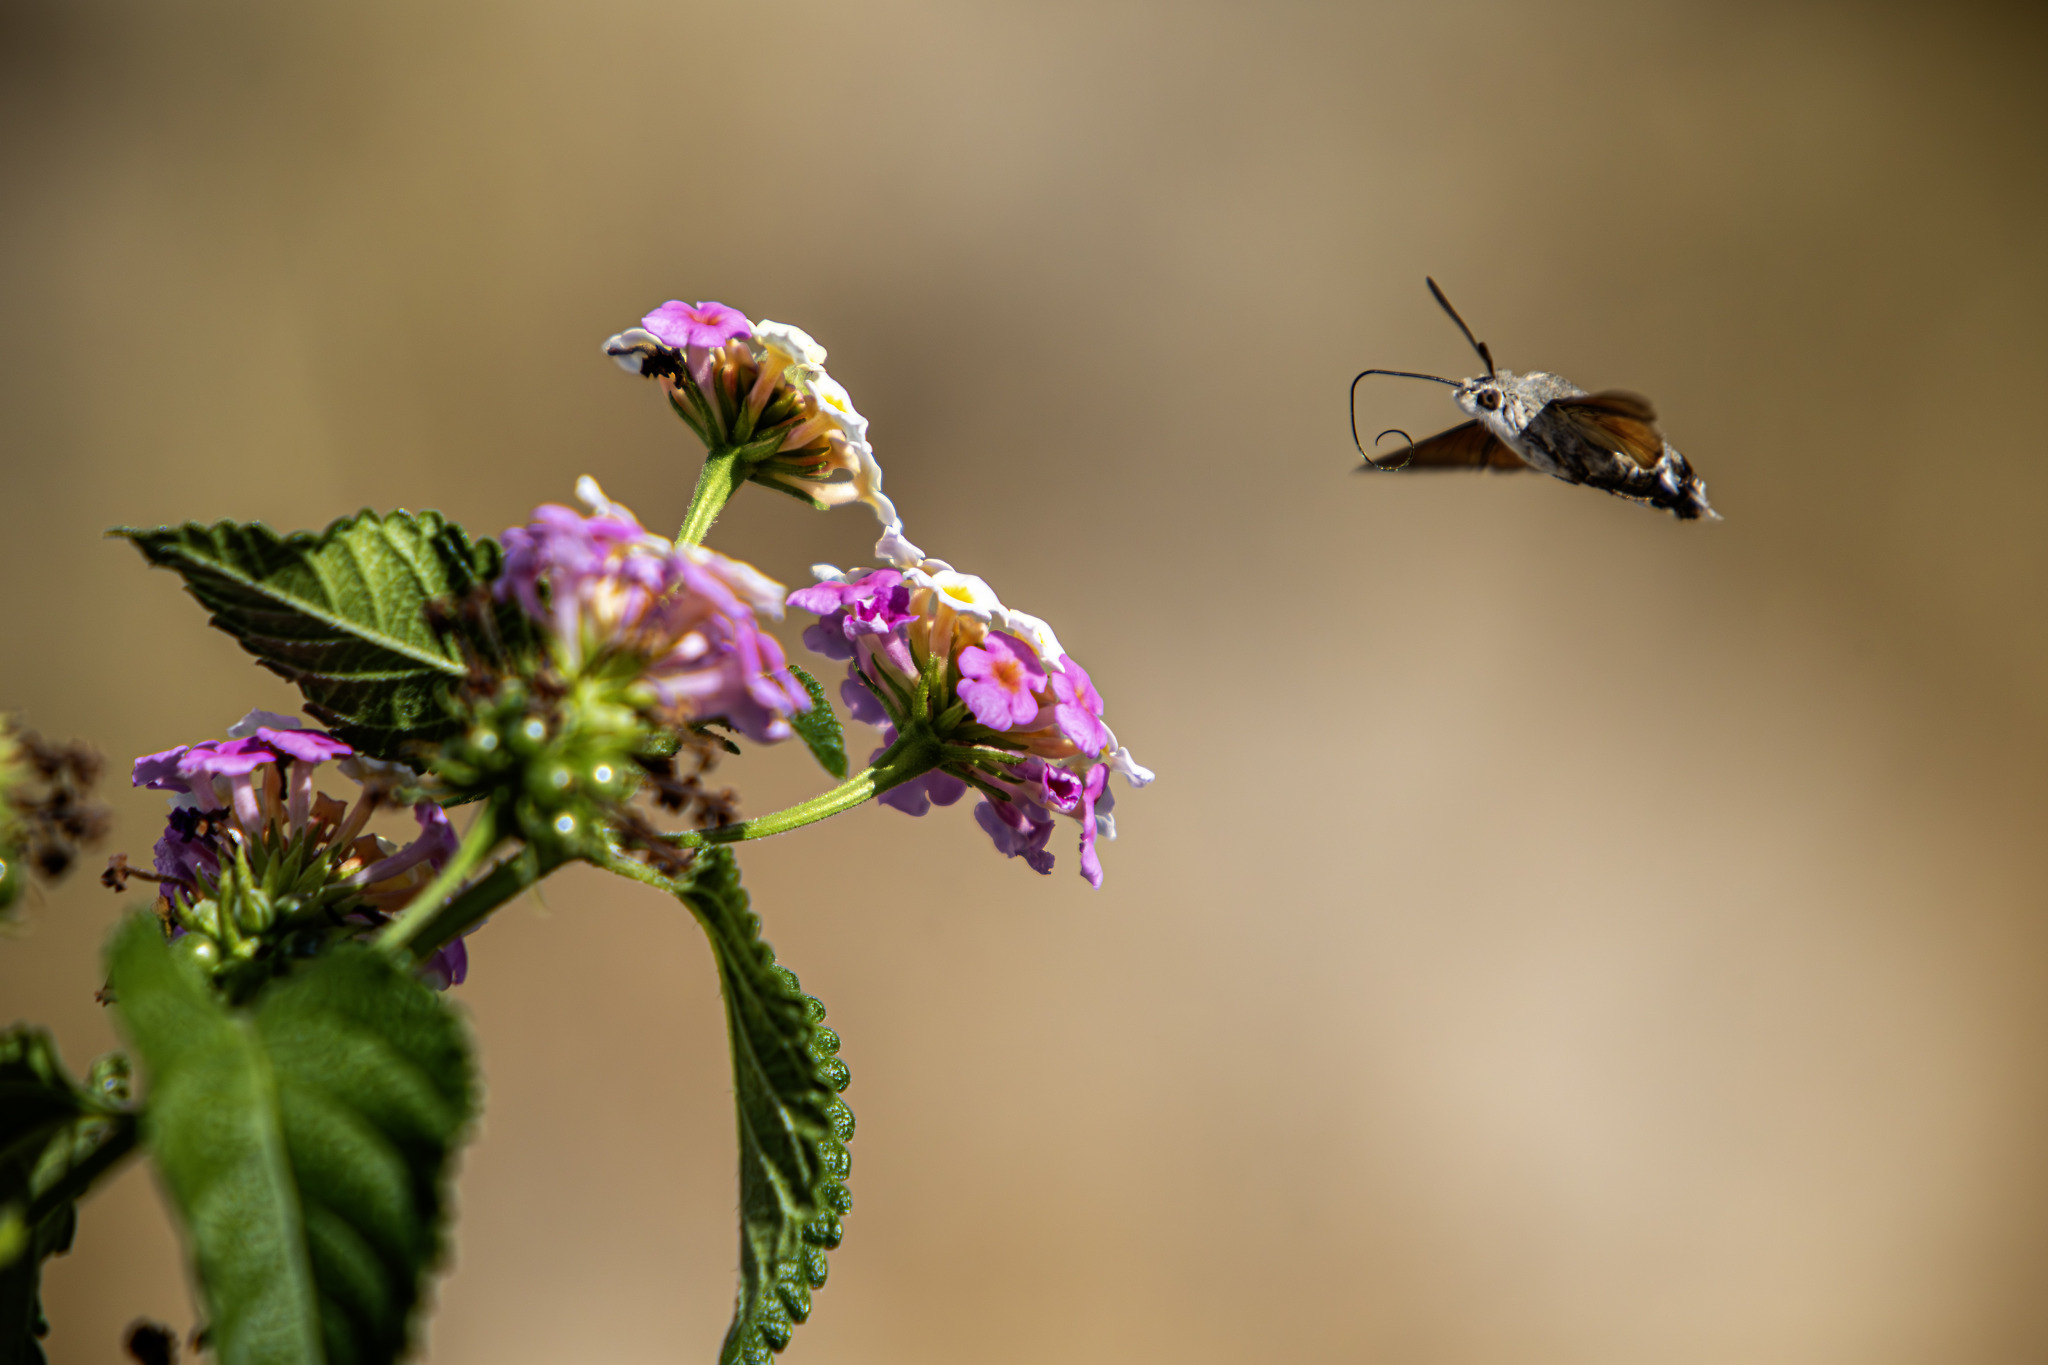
<point>479,714</point>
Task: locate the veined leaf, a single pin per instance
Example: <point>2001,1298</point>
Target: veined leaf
<point>793,1126</point>
<point>55,1141</point>
<point>819,728</point>
<point>343,613</point>
<point>305,1141</point>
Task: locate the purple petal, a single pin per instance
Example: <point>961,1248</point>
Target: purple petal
<point>860,702</point>
<point>1015,834</point>
<point>1091,864</point>
<point>708,324</point>
<point>229,758</point>
<point>308,746</point>
<point>828,639</point>
<point>436,833</point>
<point>821,599</point>
<point>994,705</point>
<point>159,772</point>
<point>449,966</point>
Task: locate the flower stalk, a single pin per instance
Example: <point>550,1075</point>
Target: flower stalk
<point>485,834</point>
<point>909,758</point>
<point>477,902</point>
<point>720,478</point>
<point>758,396</point>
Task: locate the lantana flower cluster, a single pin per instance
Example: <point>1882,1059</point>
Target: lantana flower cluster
<point>675,622</point>
<point>934,651</point>
<point>254,857</point>
<point>760,389</point>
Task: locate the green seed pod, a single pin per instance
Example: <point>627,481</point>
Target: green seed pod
<point>200,950</point>
<point>253,910</point>
<point>201,918</point>
<point>110,1077</point>
<point>607,779</point>
<point>527,736</point>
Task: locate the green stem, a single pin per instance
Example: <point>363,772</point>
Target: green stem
<point>720,478</point>
<point>640,872</point>
<point>910,757</point>
<point>480,901</point>
<point>484,834</point>
<point>114,1148</point>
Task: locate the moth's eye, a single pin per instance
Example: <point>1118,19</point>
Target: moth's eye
<point>1488,399</point>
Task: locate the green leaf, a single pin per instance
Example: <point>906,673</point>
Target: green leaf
<point>793,1126</point>
<point>819,727</point>
<point>56,1140</point>
<point>343,613</point>
<point>305,1141</point>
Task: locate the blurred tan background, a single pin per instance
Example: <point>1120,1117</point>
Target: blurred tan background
<point>1557,934</point>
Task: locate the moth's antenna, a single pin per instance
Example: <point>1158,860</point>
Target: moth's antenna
<point>1477,344</point>
<point>1398,374</point>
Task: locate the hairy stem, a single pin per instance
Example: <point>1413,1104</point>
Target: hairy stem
<point>716,484</point>
<point>114,1148</point>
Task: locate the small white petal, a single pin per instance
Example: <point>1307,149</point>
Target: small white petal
<point>1122,762</point>
<point>630,348</point>
<point>793,342</point>
<point>966,594</point>
<point>1035,633</point>
<point>248,725</point>
<point>835,404</point>
<point>892,548</point>
<point>827,573</point>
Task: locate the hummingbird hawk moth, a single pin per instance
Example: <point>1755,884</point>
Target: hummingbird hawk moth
<point>1542,421</point>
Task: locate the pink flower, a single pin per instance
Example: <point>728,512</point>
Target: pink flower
<point>1031,740</point>
<point>997,680</point>
<point>1091,793</point>
<point>221,773</point>
<point>874,604</point>
<point>708,324</point>
<point>1078,708</point>
<point>680,618</point>
<point>1018,830</point>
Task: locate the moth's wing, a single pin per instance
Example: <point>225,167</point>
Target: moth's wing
<point>1621,422</point>
<point>1469,445</point>
<point>1618,401</point>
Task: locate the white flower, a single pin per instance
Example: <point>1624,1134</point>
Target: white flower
<point>796,345</point>
<point>247,726</point>
<point>892,548</point>
<point>835,404</point>
<point>962,592</point>
<point>1033,632</point>
<point>1133,773</point>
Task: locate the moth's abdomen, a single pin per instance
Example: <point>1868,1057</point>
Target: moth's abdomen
<point>1610,441</point>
